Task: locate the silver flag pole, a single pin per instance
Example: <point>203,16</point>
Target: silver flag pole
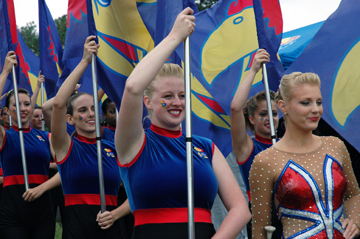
<point>98,133</point>
<point>42,103</point>
<point>268,103</point>
<point>189,151</point>
<point>21,134</point>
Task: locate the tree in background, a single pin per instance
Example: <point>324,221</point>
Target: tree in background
<point>31,35</point>
<point>205,4</point>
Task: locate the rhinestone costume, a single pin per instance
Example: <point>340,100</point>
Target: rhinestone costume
<point>311,191</point>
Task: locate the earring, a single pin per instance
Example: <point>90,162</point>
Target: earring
<point>285,113</point>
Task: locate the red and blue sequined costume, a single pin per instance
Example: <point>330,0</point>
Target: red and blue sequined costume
<point>156,185</point>
<point>310,191</point>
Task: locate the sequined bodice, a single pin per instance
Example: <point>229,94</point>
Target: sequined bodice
<point>299,196</point>
<point>309,191</point>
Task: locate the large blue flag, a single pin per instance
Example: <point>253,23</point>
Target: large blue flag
<point>76,33</point>
<point>224,43</point>
<point>9,42</point>
<point>51,51</point>
<point>333,55</point>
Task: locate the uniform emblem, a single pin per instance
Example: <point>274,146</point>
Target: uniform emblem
<point>40,138</point>
<point>200,152</point>
<point>109,153</point>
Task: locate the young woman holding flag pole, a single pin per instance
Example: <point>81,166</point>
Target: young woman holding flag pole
<point>153,165</point>
<point>77,160</point>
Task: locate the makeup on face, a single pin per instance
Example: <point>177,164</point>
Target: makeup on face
<point>163,104</point>
<point>261,118</point>
<point>80,118</point>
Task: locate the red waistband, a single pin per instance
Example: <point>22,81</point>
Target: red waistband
<point>169,215</point>
<point>19,179</point>
<point>89,199</point>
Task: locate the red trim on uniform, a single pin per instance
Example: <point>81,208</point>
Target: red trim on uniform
<point>213,148</point>
<point>241,163</point>
<point>19,179</point>
<point>1,172</point>
<point>263,140</point>
<point>4,140</point>
<point>166,132</point>
<point>6,127</point>
<point>86,139</point>
<point>110,127</point>
<point>67,155</point>
<point>169,215</point>
<point>249,196</point>
<point>25,130</point>
<point>136,157</point>
<point>89,199</point>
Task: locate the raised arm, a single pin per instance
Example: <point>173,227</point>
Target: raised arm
<point>241,141</point>
<point>59,138</point>
<point>129,134</point>
<point>48,107</point>
<point>41,79</point>
<point>10,61</point>
<point>230,193</point>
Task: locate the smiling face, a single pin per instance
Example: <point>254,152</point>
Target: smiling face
<point>25,109</point>
<point>83,115</point>
<point>37,119</point>
<point>305,109</point>
<point>167,102</point>
<point>261,121</point>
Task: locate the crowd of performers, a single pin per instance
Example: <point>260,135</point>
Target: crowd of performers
<point>308,179</point>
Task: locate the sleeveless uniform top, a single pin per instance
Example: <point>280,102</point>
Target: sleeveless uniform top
<point>156,180</point>
<point>37,153</point>
<point>35,218</point>
<point>260,144</point>
<point>80,182</point>
<point>309,191</point>
<point>109,133</point>
<point>79,172</point>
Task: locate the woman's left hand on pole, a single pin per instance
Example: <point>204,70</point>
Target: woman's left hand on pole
<point>105,219</point>
<point>184,24</point>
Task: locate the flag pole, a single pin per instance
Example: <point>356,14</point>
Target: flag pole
<point>189,151</point>
<point>21,135</point>
<point>42,103</point>
<point>268,103</point>
<point>98,134</point>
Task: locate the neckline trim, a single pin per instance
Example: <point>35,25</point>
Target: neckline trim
<point>86,139</point>
<point>25,130</point>
<point>263,140</point>
<point>166,132</point>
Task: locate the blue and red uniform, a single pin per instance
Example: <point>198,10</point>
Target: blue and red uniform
<point>156,185</point>
<point>80,182</point>
<point>70,128</point>
<point>109,133</point>
<point>260,144</point>
<point>20,219</point>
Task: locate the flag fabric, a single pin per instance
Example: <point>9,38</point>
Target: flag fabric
<point>51,51</point>
<point>225,42</point>
<point>332,54</point>
<point>33,63</point>
<point>9,42</point>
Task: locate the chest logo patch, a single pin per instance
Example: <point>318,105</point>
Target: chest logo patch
<point>40,138</point>
<point>109,153</point>
<point>200,152</point>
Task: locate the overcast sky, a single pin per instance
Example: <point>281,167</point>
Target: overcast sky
<point>296,13</point>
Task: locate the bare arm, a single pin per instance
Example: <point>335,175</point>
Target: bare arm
<point>232,197</point>
<point>241,141</point>
<point>107,219</point>
<point>10,61</point>
<point>41,79</point>
<point>34,193</point>
<point>129,133</point>
<point>60,140</point>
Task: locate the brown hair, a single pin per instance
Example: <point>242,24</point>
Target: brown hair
<point>252,105</point>
<point>167,70</point>
<point>11,93</point>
